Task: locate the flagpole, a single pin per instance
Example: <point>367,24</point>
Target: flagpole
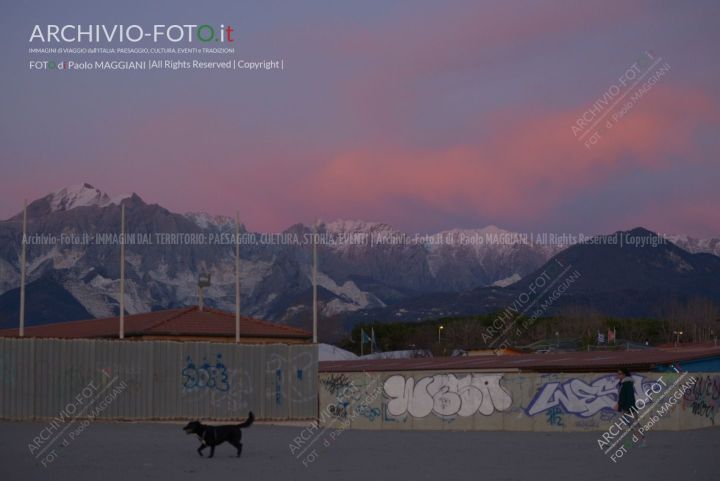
<point>362,342</point>
<point>237,276</point>
<point>314,283</point>
<point>122,271</point>
<point>23,257</point>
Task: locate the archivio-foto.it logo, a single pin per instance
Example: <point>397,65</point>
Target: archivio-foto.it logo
<point>131,33</point>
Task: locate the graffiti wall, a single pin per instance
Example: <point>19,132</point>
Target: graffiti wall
<point>511,401</point>
<point>446,395</point>
<point>42,378</point>
<point>702,402</point>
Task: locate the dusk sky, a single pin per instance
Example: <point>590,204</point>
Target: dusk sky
<point>426,115</point>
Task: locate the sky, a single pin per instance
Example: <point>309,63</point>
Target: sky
<point>425,115</point>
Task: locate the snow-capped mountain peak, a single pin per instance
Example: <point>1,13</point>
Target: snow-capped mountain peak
<point>77,196</point>
<point>358,273</point>
<point>80,195</point>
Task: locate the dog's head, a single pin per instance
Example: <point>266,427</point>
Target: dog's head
<point>193,427</point>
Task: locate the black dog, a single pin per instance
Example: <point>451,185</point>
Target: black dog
<point>214,435</point>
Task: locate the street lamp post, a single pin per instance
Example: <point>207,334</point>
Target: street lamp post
<point>440,328</point>
<point>677,337</point>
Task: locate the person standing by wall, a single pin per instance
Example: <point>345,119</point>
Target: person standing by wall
<point>626,399</point>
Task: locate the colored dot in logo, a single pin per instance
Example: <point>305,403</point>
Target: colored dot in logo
<point>208,36</point>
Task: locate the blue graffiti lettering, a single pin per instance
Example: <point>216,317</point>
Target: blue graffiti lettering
<point>205,376</point>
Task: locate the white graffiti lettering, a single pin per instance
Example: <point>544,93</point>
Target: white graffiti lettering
<point>446,395</point>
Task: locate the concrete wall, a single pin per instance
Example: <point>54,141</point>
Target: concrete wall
<point>511,401</point>
<point>141,380</point>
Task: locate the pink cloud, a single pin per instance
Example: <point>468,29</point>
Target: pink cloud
<point>527,169</point>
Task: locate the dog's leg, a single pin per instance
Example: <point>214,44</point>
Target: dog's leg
<point>212,451</point>
<point>200,449</point>
<point>238,446</point>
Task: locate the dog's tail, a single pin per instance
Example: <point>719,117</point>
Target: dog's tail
<point>248,421</point>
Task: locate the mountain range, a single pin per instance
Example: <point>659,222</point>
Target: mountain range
<point>366,269</point>
<point>602,275</point>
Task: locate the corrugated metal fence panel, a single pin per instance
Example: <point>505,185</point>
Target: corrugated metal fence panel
<point>251,389</point>
<point>273,374</point>
<point>166,404</point>
<point>47,378</point>
<point>303,395</point>
<point>18,386</point>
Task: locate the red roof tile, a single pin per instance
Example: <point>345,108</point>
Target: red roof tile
<point>188,321</point>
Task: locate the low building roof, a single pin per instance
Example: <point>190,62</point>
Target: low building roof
<point>594,361</point>
<point>186,321</point>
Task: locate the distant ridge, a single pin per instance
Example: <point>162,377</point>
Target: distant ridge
<point>405,280</point>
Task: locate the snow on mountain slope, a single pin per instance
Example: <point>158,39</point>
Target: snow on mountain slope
<point>694,246</point>
<point>204,220</point>
<point>350,296</point>
<point>77,196</point>
<point>275,279</point>
<point>9,276</point>
<point>342,226</point>
<point>351,233</point>
<point>69,198</point>
<point>81,195</point>
<point>507,281</point>
<point>92,296</point>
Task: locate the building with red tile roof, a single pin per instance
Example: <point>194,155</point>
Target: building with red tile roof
<point>182,324</point>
